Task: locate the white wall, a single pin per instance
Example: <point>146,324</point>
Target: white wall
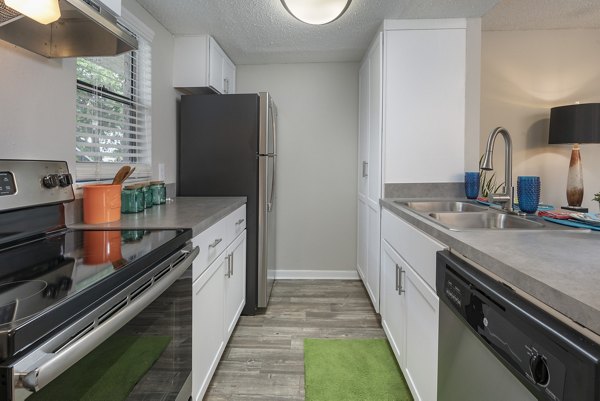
<point>37,106</point>
<point>37,102</point>
<point>524,74</point>
<point>317,149</point>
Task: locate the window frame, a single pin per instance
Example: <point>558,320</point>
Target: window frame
<point>102,171</point>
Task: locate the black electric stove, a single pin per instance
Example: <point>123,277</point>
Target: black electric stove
<point>63,291</point>
<point>49,282</point>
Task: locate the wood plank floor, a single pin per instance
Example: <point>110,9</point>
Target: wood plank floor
<point>265,358</point>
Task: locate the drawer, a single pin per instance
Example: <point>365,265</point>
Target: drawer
<point>416,247</point>
<point>215,239</point>
<point>238,221</point>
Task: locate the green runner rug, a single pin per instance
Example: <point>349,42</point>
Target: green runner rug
<point>107,373</point>
<point>352,370</point>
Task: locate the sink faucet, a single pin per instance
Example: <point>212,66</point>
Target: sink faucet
<point>507,197</point>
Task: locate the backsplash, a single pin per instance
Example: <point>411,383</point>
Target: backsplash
<point>425,190</point>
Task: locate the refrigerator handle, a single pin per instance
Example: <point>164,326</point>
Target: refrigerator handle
<point>273,112</point>
<point>270,204</point>
<point>274,125</point>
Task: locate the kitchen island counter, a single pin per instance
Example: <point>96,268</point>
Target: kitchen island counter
<point>197,213</point>
<point>560,268</point>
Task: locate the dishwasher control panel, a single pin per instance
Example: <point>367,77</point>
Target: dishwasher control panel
<point>552,360</point>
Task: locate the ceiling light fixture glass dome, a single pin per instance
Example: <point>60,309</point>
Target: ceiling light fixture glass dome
<point>316,12</point>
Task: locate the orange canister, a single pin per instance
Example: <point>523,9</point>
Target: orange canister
<point>101,203</point>
<point>101,247</point>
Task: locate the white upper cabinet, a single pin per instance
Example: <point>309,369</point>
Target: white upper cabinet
<point>201,66</point>
<point>430,76</point>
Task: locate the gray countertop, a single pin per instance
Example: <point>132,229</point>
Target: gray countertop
<point>197,213</point>
<point>560,268</point>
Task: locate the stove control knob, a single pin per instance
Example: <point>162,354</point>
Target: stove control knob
<point>50,181</point>
<point>50,291</point>
<point>64,180</point>
<point>539,370</point>
<point>66,283</point>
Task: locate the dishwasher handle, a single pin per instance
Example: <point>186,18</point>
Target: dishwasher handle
<point>54,364</point>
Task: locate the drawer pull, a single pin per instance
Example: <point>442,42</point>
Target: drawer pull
<point>228,274</point>
<point>217,242</point>
<point>401,282</point>
<point>240,221</point>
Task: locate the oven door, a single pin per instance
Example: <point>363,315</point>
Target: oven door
<point>138,347</point>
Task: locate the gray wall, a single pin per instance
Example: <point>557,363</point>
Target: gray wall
<point>524,74</point>
<point>37,102</point>
<point>317,149</point>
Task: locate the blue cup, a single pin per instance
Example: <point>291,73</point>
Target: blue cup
<point>472,184</point>
<point>528,191</point>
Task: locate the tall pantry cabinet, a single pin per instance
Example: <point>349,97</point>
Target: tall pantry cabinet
<point>369,166</point>
<point>418,118</point>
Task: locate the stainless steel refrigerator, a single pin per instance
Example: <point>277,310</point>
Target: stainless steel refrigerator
<point>227,147</point>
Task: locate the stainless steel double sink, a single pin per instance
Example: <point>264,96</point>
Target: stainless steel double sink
<point>464,215</point>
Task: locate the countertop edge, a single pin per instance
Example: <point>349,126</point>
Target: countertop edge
<point>195,213</point>
<point>564,304</point>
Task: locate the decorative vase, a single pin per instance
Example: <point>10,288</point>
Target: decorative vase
<point>575,179</point>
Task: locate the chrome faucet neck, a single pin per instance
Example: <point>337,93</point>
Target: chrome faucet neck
<point>507,197</point>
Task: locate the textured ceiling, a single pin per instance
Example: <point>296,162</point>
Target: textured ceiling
<point>543,14</point>
<point>261,31</point>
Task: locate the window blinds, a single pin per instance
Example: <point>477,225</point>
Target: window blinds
<point>114,114</point>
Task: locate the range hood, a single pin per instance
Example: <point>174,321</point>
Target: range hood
<point>85,28</point>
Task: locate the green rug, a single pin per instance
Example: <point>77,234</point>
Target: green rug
<point>107,373</point>
<point>352,370</point>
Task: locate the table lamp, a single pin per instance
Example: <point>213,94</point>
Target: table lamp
<point>577,123</point>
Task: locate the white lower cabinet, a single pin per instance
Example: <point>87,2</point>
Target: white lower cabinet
<point>208,341</point>
<point>362,245</point>
<point>422,317</point>
<point>219,294</point>
<point>392,303</point>
<point>373,255</point>
<point>235,283</point>
<point>409,304</point>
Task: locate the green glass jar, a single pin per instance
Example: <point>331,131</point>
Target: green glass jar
<point>147,195</point>
<point>132,199</point>
<point>159,192</point>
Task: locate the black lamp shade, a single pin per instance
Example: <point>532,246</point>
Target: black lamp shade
<point>577,123</point>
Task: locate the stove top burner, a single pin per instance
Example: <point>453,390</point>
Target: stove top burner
<point>16,298</point>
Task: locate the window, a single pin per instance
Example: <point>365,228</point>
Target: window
<point>114,114</point>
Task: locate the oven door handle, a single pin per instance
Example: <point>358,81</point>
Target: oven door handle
<point>39,377</point>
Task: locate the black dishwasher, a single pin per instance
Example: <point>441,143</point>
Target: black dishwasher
<point>496,345</point>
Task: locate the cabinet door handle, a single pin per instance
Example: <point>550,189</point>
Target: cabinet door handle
<point>365,169</point>
<point>397,275</point>
<point>231,263</point>
<point>226,85</point>
<point>227,274</point>
<point>215,243</point>
<point>240,221</point>
<point>401,288</point>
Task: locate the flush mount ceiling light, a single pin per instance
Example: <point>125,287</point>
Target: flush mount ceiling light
<point>316,12</point>
<point>43,11</point>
